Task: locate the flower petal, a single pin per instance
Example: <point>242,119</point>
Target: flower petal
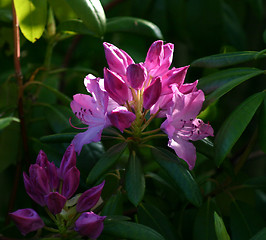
<point>136,75</point>
<point>55,202</point>
<point>152,93</point>
<point>71,182</point>
<point>68,161</point>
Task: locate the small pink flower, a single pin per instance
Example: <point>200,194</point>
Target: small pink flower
<point>27,220</point>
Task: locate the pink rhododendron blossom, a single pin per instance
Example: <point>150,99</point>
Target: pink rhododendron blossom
<point>182,125</point>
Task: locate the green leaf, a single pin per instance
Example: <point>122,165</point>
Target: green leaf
<point>235,125</point>
<point>261,235</point>
<point>32,15</point>
<point>114,205</point>
<point>4,122</point>
<point>135,181</point>
<point>227,80</point>
<point>152,217</point>
<point>262,128</point>
<point>130,231</point>
<point>227,59</point>
<point>204,222</point>
<point>133,25</point>
<point>106,161</point>
<point>91,13</point>
<point>58,138</point>
<point>62,10</point>
<point>181,176</point>
<point>220,229</point>
<point>76,26</point>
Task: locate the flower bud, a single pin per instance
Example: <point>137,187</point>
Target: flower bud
<point>121,118</point>
<point>152,93</point>
<point>136,75</point>
<point>27,220</point>
<point>115,86</point>
<point>55,202</point>
<point>117,59</point>
<point>68,161</point>
<point>42,159</point>
<point>89,198</point>
<point>71,182</point>
<point>90,224</point>
<point>39,179</point>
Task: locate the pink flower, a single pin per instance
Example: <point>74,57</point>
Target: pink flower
<point>89,224</point>
<point>92,111</point>
<point>182,125</point>
<point>27,220</point>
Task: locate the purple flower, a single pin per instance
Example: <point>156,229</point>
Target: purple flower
<point>68,161</point>
<point>27,220</point>
<point>136,75</point>
<point>89,224</point>
<point>55,202</point>
<point>92,111</point>
<point>89,198</point>
<point>70,182</point>
<point>182,125</point>
<point>152,93</point>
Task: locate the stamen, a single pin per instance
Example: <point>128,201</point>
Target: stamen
<point>74,126</point>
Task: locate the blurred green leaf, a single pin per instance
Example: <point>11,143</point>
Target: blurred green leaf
<point>220,229</point>
<point>4,122</point>
<point>76,26</point>
<point>226,59</point>
<point>133,25</point>
<point>135,181</point>
<point>226,80</point>
<point>62,10</point>
<point>9,142</point>
<point>130,231</point>
<point>91,13</point>
<point>261,235</point>
<point>204,222</point>
<point>235,125</point>
<point>6,15</point>
<point>262,127</point>
<point>114,205</point>
<point>106,161</point>
<point>264,36</point>
<point>32,15</point>
<point>152,217</point>
<point>181,176</point>
<point>58,138</point>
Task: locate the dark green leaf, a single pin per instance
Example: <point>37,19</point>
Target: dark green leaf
<point>220,229</point>
<point>235,125</point>
<point>114,205</point>
<point>9,142</point>
<point>152,217</point>
<point>76,26</point>
<point>261,235</point>
<point>91,13</point>
<point>262,127</point>
<point>264,36</point>
<point>4,122</point>
<point>229,79</point>
<point>32,15</point>
<point>226,59</point>
<point>62,10</point>
<point>204,222</point>
<point>181,176</point>
<point>130,231</point>
<point>58,138</point>
<point>133,25</point>
<point>106,161</point>
<point>135,181</point>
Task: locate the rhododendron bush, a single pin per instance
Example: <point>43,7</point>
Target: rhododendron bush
<point>132,120</point>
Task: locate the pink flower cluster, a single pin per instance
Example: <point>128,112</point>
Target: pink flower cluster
<point>51,187</point>
<point>129,90</point>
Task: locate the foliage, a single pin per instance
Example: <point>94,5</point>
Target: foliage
<point>148,192</point>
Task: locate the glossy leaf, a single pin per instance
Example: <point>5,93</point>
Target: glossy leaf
<point>152,217</point>
<point>91,13</point>
<point>133,25</point>
<point>4,122</point>
<point>135,181</point>
<point>230,82</point>
<point>220,229</point>
<point>62,10</point>
<point>226,59</point>
<point>32,15</point>
<point>75,26</point>
<point>181,176</point>
<point>235,125</point>
<point>261,235</point>
<point>105,162</point>
<point>58,138</point>
<point>130,231</point>
<point>204,222</point>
